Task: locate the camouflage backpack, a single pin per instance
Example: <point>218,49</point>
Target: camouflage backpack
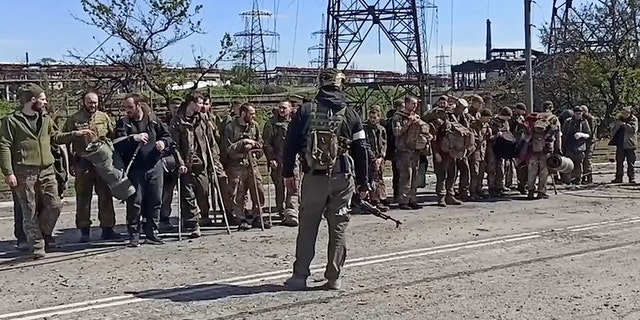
<point>418,137</point>
<point>458,141</point>
<point>323,137</point>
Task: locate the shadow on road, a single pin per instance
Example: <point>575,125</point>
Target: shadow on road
<point>207,292</point>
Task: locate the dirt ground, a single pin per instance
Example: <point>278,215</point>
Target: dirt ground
<point>574,256</point>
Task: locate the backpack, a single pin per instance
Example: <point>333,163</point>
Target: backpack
<point>458,141</point>
<point>323,137</point>
<point>418,137</point>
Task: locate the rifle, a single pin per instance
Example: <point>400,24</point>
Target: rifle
<point>375,211</point>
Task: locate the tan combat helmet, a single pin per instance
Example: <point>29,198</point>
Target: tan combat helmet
<point>331,77</point>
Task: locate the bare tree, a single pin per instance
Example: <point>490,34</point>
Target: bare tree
<point>145,29</point>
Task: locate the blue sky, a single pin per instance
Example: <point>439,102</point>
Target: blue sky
<point>55,31</point>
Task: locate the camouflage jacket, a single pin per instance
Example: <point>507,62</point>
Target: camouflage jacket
<point>377,139</point>
<point>274,134</point>
<point>194,141</point>
<point>233,142</point>
<point>99,122</point>
<point>482,133</point>
<point>400,125</point>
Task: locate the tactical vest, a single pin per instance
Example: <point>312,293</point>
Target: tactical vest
<point>323,146</point>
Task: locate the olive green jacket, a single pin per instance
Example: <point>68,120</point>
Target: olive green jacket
<point>20,146</point>
<point>98,122</point>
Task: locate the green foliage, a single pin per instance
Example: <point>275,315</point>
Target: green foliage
<point>6,107</point>
<point>598,64</point>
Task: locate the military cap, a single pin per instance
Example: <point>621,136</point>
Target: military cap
<point>577,109</point>
<point>521,106</point>
<point>506,111</point>
<point>331,77</point>
<point>28,91</point>
<point>375,108</point>
<point>486,113</point>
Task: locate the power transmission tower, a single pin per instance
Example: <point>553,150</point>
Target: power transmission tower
<point>252,50</point>
<point>349,22</point>
<point>318,60</point>
<point>441,65</point>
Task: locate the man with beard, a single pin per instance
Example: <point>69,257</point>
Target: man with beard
<point>27,164</point>
<point>86,178</point>
<point>146,139</point>
<point>274,135</point>
<point>242,140</point>
<point>193,138</point>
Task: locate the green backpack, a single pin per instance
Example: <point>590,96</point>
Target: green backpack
<point>323,137</point>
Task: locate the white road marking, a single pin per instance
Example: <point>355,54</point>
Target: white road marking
<point>281,274</point>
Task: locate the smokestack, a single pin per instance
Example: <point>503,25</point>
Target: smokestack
<point>26,55</point>
<point>488,53</point>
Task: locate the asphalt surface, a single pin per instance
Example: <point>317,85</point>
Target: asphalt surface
<point>574,256</point>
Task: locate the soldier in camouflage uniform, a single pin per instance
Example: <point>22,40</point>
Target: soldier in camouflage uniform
<point>274,135</point>
<point>241,140</point>
<point>587,164</point>
<point>407,160</point>
<point>461,115</point>
<point>377,140</point>
<point>190,130</point>
<point>89,117</point>
<point>495,166</point>
<point>477,163</point>
<point>518,129</point>
<point>27,164</point>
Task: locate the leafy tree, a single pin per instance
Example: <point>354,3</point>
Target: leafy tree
<point>145,29</point>
<point>596,61</point>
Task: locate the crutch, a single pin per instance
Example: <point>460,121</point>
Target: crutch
<point>269,191</point>
<point>179,206</point>
<point>216,182</point>
<point>252,163</point>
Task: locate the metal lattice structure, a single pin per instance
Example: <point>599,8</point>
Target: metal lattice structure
<point>252,50</point>
<point>319,49</point>
<point>350,22</point>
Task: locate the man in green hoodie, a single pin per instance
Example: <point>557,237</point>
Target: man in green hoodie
<point>26,162</point>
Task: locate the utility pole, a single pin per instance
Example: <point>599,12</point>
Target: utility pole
<point>527,53</point>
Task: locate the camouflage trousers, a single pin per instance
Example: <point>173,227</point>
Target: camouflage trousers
<point>241,180</point>
<point>194,190</point>
<point>537,168</point>
<point>587,165</point>
<point>495,170</point>
<point>477,168</point>
<point>444,166</point>
<point>37,193</point>
<point>328,196</point>
<point>85,182</point>
<point>379,188</point>
<point>285,196</point>
<point>407,163</point>
<point>463,172</point>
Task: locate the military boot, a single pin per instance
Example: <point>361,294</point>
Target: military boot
<point>109,234</point>
<point>195,232</point>
<point>616,180</point>
<point>49,243</point>
<point>542,195</point>
<point>23,245</point>
<point>531,195</point>
<point>451,200</point>
<point>165,227</point>
<point>333,284</point>
<point>38,252</point>
<point>152,237</point>
<point>296,282</point>
<point>206,222</point>
<point>415,206</point>
<point>441,202</point>
<point>405,206</point>
<point>244,226</point>
<point>85,235</point>
<point>256,223</point>
<point>134,238</point>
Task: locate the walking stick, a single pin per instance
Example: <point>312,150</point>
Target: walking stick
<point>252,163</point>
<point>179,206</point>
<point>269,191</point>
<point>216,182</point>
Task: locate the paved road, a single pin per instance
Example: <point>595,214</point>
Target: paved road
<point>574,256</point>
